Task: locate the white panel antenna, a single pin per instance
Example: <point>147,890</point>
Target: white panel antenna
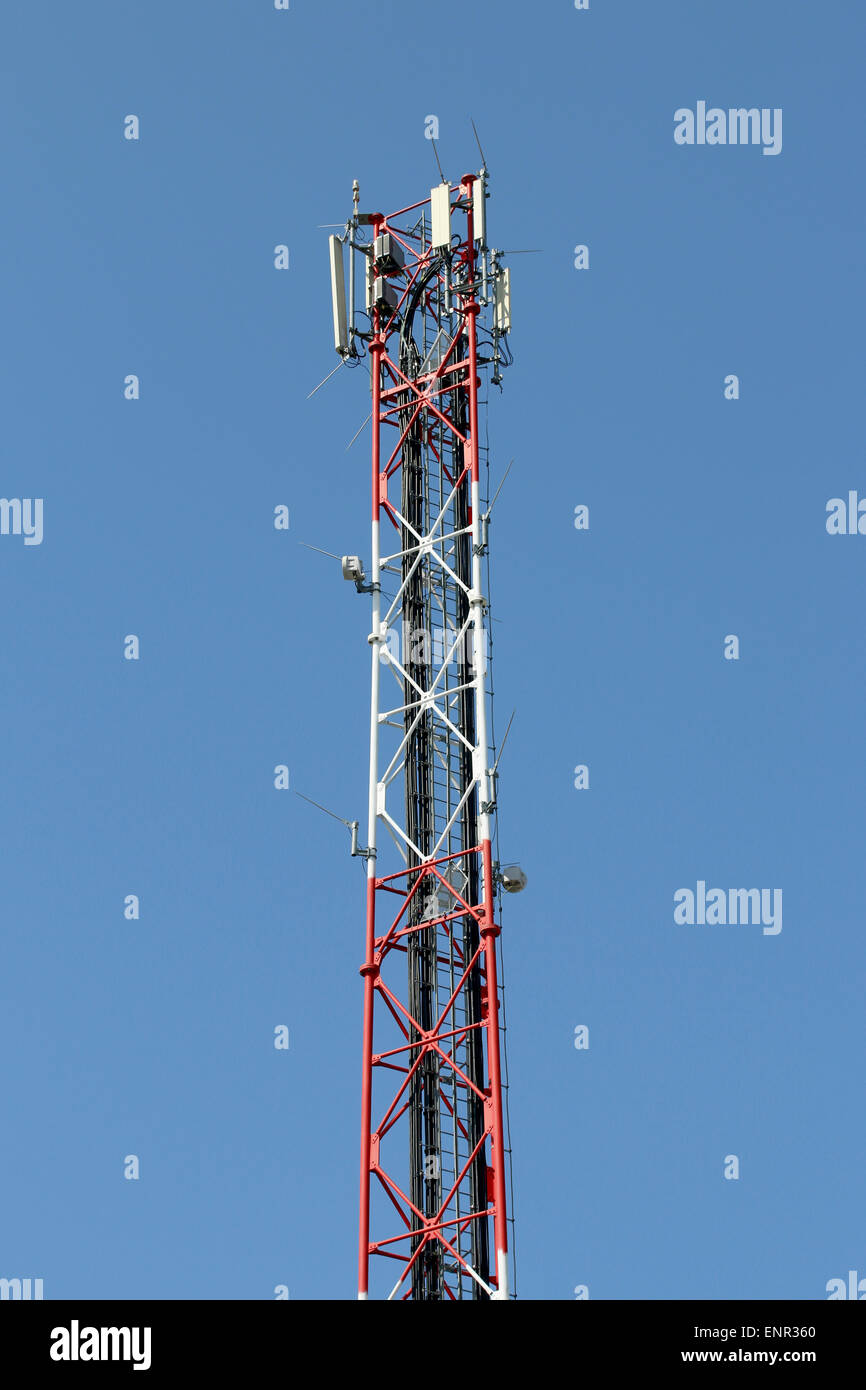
<point>502,305</point>
<point>479,210</point>
<point>440,216</point>
<point>338,296</point>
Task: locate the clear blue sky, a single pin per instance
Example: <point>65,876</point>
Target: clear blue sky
<point>707,518</point>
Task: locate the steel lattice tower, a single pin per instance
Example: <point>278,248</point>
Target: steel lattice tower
<point>433,1153</point>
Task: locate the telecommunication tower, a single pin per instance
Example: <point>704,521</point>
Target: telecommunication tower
<point>435,316</point>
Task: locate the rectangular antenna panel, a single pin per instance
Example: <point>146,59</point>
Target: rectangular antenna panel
<point>502,305</point>
<point>479,212</point>
<point>440,216</point>
<point>338,296</point>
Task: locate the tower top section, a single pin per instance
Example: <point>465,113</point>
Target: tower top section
<point>433,255</point>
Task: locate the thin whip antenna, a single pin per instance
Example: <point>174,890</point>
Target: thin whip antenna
<point>478,143</point>
<point>502,744</point>
<point>357,432</point>
<point>499,489</point>
<point>333,557</point>
<point>436,152</point>
<point>333,814</point>
<point>327,378</point>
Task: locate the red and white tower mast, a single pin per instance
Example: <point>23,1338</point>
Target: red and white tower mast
<point>433,1216</point>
